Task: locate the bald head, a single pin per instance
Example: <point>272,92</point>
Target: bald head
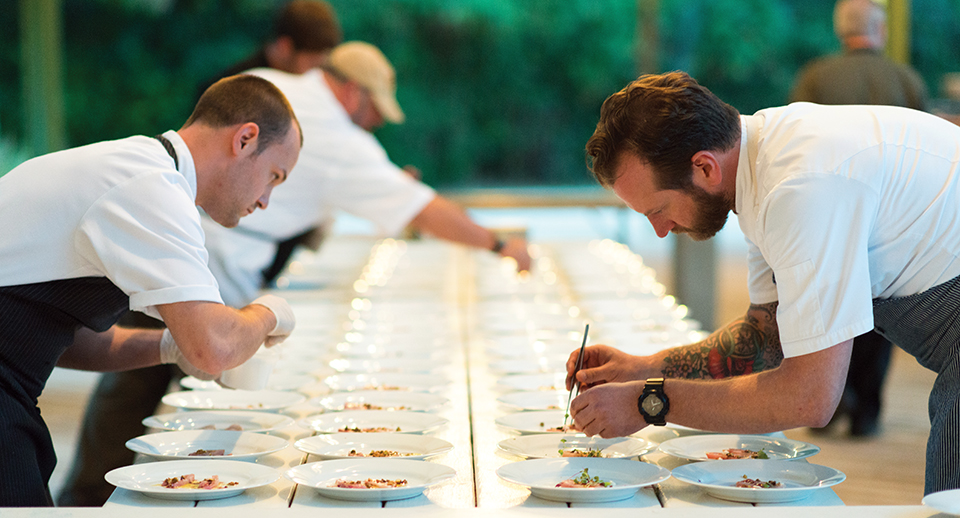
<point>860,24</point>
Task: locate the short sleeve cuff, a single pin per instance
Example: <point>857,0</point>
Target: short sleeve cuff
<point>145,301</point>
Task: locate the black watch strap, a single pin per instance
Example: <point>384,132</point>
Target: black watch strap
<point>497,246</point>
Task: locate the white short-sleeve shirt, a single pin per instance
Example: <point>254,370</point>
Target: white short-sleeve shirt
<point>841,205</point>
<point>341,167</point>
<point>117,209</point>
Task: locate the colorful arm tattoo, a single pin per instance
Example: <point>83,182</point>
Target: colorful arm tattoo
<point>750,344</point>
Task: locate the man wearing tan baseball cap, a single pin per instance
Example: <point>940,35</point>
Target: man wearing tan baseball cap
<point>364,65</point>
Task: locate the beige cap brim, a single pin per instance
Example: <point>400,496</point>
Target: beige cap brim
<point>388,107</point>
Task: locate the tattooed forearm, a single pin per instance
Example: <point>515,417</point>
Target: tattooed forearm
<point>750,344</point>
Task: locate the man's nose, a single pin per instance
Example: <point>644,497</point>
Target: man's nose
<point>661,226</point>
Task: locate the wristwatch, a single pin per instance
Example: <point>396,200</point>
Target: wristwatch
<point>653,403</point>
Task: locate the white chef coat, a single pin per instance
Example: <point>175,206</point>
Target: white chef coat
<point>116,209</point>
<point>341,167</point>
<point>841,205</point>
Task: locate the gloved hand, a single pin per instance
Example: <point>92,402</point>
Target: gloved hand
<point>285,318</point>
<point>170,353</point>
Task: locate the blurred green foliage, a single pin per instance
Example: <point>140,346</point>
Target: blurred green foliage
<point>497,92</point>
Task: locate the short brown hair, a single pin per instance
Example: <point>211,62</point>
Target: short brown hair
<point>663,119</point>
<point>311,25</point>
<point>244,98</point>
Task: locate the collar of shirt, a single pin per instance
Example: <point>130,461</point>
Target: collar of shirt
<point>187,167</point>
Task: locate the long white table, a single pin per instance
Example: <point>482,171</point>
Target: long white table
<point>464,288</point>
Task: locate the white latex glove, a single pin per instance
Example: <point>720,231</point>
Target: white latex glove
<point>170,353</point>
<point>286,321</point>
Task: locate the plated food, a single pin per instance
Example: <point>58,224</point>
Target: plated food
<point>373,421</point>
<point>327,477</point>
<point>725,447</point>
<point>534,400</point>
<point>192,479</point>
<point>386,381</point>
<point>232,420</point>
<point>380,400</point>
<point>342,446</point>
<point>206,444</point>
<point>583,480</point>
<point>541,421</point>
<point>284,381</point>
<point>266,400</point>
<point>544,446</point>
<point>546,381</point>
<point>759,481</point>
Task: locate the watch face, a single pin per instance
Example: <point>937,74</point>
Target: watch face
<point>652,404</point>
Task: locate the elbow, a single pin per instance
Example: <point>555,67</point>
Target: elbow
<point>817,411</point>
<point>211,355</point>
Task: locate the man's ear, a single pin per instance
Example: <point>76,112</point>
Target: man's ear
<point>245,138</point>
<point>706,170</point>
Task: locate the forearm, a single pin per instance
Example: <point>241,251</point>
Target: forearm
<point>747,345</point>
<point>445,220</point>
<point>214,337</point>
<point>116,349</point>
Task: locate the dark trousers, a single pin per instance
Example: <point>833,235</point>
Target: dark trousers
<point>862,395</point>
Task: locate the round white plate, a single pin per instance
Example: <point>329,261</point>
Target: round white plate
<point>233,399</point>
<point>179,445</point>
<point>403,365</point>
<point>537,421</point>
<point>546,381</point>
<point>385,399</point>
<point>278,381</point>
<point>378,351</point>
<point>322,475</point>
<point>947,501</point>
<point>543,475</point>
<point>407,422</point>
<point>799,479</point>
<point>548,446</point>
<point>339,445</point>
<point>534,400</point>
<point>146,478</point>
<point>219,420</point>
<point>389,381</point>
<point>695,447</point>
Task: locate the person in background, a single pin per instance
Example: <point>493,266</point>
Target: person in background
<point>96,230</point>
<point>304,33</point>
<point>852,220</point>
<point>343,167</point>
<point>862,75</point>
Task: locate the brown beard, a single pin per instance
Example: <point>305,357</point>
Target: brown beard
<point>711,216</point>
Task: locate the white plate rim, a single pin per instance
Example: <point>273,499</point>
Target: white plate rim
<point>681,446</point>
<point>269,443</point>
<point>545,416</point>
<point>422,421</point>
<point>516,445</point>
<point>368,468</point>
<point>382,397</point>
<point>946,501</point>
<point>157,421</point>
<point>280,399</point>
<point>763,469</point>
<point>509,473</point>
<point>314,445</point>
<point>260,476</point>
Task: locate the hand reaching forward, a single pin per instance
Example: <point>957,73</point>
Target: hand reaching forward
<point>608,410</point>
<point>516,248</point>
<point>601,364</point>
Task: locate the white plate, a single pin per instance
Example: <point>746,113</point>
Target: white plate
<point>407,422</point>
<point>146,478</point>
<point>537,421</point>
<point>695,447</point>
<point>278,381</point>
<point>233,399</point>
<point>321,475</point>
<point>547,381</point>
<point>528,365</point>
<point>404,365</point>
<point>534,400</point>
<point>546,446</point>
<point>219,420</point>
<point>378,351</point>
<point>800,479</point>
<point>179,445</point>
<point>386,381</point>
<point>339,445</point>
<point>947,501</point>
<point>543,475</point>
<point>386,399</point>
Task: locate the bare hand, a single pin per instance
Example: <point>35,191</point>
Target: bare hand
<point>516,248</point>
<point>608,410</point>
<point>601,364</point>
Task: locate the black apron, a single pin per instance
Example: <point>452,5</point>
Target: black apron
<point>927,325</point>
<point>37,323</point>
